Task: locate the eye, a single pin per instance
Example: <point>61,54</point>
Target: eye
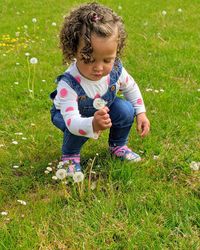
<point>107,60</point>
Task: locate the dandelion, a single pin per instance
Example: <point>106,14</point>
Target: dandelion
<point>34,20</point>
<point>46,172</point>
<point>164,12</point>
<point>33,60</point>
<point>43,80</point>
<point>14,142</point>
<point>16,83</point>
<point>119,7</point>
<point>180,10</point>
<point>53,24</point>
<point>17,33</point>
<point>27,54</point>
<point>24,138</point>
<point>32,124</point>
<point>4,213</point>
<point>156,91</point>
<point>25,27</point>
<point>78,177</point>
<point>149,89</point>
<point>1,145</point>
<point>17,63</point>
<point>61,174</point>
<point>194,165</point>
<point>198,90</point>
<point>161,90</point>
<point>22,202</point>
<point>4,54</point>
<point>50,163</point>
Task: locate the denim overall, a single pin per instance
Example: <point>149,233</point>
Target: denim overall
<point>121,113</point>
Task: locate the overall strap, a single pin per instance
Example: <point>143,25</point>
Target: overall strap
<point>115,72</point>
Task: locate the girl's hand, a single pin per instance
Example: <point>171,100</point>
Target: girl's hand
<point>101,120</point>
<point>143,124</point>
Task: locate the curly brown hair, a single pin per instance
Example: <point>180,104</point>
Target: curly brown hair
<point>82,22</point>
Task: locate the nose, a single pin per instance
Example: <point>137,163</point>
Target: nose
<point>98,67</point>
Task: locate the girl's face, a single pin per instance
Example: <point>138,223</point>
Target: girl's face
<point>103,57</point>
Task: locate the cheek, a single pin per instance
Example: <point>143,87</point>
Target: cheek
<point>108,68</point>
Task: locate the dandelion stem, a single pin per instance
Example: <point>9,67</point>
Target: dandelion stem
<point>29,74</point>
<point>90,173</point>
<point>33,81</point>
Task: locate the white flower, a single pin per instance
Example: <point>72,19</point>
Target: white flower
<point>49,169</point>
<point>34,20</point>
<point>61,174</point>
<point>16,83</point>
<point>4,213</point>
<point>15,166</point>
<point>4,54</point>
<point>50,163</point>
<point>22,202</point>
<point>53,24</point>
<point>14,142</point>
<point>17,63</point>
<point>17,33</point>
<point>54,178</point>
<point>27,54</point>
<point>195,165</point>
<point>155,157</point>
<point>164,12</point>
<point>18,133</point>
<point>161,90</point>
<point>43,80</point>
<point>25,27</point>
<point>32,124</point>
<point>149,89</point>
<point>180,10</point>
<point>198,90</point>
<point>119,7</point>
<point>24,138</point>
<point>46,172</point>
<point>156,91</point>
<point>78,177</point>
<point>33,60</point>
<point>2,145</point>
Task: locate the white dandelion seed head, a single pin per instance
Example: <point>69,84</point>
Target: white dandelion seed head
<point>46,172</point>
<point>34,20</point>
<point>78,177</point>
<point>155,157</point>
<point>61,174</point>
<point>27,54</point>
<point>164,12</point>
<point>33,60</point>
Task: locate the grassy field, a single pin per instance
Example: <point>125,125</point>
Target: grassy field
<point>149,205</point>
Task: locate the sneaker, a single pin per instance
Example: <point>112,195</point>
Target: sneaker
<point>124,153</point>
<point>72,163</point>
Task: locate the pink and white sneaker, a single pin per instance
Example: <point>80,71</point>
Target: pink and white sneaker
<point>124,153</point>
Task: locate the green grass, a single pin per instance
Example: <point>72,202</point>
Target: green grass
<point>149,205</point>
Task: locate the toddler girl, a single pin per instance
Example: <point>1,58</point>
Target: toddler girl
<point>86,101</point>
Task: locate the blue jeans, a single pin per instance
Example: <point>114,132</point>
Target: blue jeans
<point>122,116</point>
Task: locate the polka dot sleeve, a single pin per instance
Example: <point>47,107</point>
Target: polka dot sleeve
<point>131,91</point>
<point>66,101</point>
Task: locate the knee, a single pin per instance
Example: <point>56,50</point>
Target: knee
<point>122,113</point>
